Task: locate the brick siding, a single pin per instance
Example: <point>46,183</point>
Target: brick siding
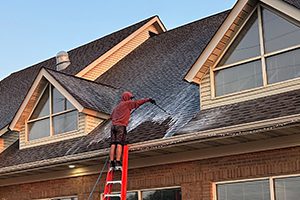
<point>195,178</point>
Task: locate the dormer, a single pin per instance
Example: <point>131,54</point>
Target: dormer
<point>59,107</point>
<point>255,53</point>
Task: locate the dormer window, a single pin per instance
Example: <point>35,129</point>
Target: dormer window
<point>264,52</point>
<point>52,115</point>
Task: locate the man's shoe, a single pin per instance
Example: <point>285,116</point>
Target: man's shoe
<point>112,165</point>
<point>118,165</point>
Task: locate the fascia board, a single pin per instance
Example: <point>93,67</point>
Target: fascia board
<point>215,40</point>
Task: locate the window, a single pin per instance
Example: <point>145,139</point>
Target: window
<point>129,196</point>
<point>66,198</point>
<point>165,194</point>
<point>287,188</point>
<point>273,188</point>
<point>154,194</point>
<point>268,43</point>
<point>258,190</point>
<point>52,115</point>
<point>62,198</point>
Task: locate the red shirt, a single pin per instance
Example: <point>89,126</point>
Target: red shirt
<point>121,113</point>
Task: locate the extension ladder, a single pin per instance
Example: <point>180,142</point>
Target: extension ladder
<point>110,179</point>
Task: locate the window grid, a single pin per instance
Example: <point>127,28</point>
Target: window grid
<point>262,56</point>
<point>271,182</point>
<point>50,116</point>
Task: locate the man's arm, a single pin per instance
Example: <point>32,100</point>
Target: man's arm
<point>137,103</point>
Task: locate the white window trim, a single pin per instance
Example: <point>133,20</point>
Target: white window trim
<point>54,198</point>
<point>140,196</point>
<point>263,55</point>
<point>270,178</point>
<point>50,116</point>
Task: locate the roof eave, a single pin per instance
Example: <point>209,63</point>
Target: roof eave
<point>197,136</point>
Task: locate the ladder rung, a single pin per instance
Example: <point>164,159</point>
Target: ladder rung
<point>114,182</point>
<point>112,195</point>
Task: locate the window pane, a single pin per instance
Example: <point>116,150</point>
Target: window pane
<point>167,194</point>
<point>42,108</point>
<point>278,32</point>
<point>65,122</point>
<point>39,129</point>
<point>60,103</point>
<point>238,78</point>
<point>246,45</point>
<point>287,188</point>
<point>283,66</point>
<point>258,190</point>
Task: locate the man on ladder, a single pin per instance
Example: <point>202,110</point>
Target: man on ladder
<point>120,119</point>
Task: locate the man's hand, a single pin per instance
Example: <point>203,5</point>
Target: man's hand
<point>152,101</point>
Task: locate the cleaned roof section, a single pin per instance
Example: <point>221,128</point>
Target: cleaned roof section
<point>91,95</point>
<point>270,107</point>
<point>156,69</point>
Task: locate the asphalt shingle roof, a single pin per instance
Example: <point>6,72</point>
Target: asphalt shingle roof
<point>155,69</point>
<point>269,107</point>
<point>18,83</point>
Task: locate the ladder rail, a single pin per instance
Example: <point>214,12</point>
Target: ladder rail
<point>110,182</point>
<point>124,173</point>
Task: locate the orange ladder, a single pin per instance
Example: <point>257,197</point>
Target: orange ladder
<point>110,179</point>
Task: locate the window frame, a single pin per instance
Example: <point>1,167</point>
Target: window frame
<point>263,55</point>
<point>270,178</point>
<point>50,116</point>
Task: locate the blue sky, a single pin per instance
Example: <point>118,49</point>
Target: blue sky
<point>34,30</point>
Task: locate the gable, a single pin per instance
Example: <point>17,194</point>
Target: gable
<point>85,96</point>
<point>34,95</point>
<point>122,49</point>
<point>229,29</point>
<point>259,60</point>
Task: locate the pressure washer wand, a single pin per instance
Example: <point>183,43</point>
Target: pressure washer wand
<point>162,109</point>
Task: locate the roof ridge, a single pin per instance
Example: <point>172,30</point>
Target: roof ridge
<point>196,21</point>
<point>121,29</point>
<point>80,78</point>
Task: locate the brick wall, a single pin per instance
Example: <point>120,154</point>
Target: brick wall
<point>195,178</point>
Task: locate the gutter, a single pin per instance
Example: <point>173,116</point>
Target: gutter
<point>200,136</point>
